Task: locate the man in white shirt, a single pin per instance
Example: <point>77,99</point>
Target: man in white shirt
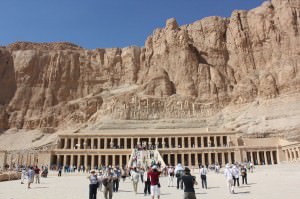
<point>203,173</point>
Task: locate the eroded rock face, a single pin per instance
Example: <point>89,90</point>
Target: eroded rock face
<point>190,71</point>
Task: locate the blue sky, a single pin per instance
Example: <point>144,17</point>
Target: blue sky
<point>103,23</point>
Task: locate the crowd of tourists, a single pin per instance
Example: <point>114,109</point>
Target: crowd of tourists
<point>107,179</point>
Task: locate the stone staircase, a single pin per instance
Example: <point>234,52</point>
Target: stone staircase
<point>143,158</point>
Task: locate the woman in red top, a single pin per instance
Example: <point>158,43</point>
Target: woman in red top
<point>154,181</point>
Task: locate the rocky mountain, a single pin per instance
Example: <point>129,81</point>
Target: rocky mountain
<point>239,72</point>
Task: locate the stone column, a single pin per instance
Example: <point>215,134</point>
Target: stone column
<point>105,143</point>
<point>85,161</point>
<point>72,143</point>
<point>106,160</point>
<point>209,157</point>
<point>196,159</point>
<point>176,142</point>
<point>169,159</point>
<point>272,157</point>
<point>92,143</point>
<point>170,142</point>
<point>65,160</point>
<point>215,141</point>
<point>79,144</point>
<point>266,158</point>
<point>202,141</point>
<point>71,160</point>
<point>119,142</point>
<point>203,158</point>
<point>85,143</point>
<point>93,162</point>
<point>196,143</point>
<point>189,142</point>
<point>190,159</point>
<point>58,160</point>
<point>113,160</point>
<point>251,156</point>
<point>66,142</point>
<point>132,145</point>
<point>176,158</point>
<point>222,158</point>
<point>125,143</point>
<point>298,151</point>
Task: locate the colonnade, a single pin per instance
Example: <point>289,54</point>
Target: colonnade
<point>196,158</point>
<point>292,153</point>
<point>89,160</point>
<point>262,157</point>
<point>132,142</point>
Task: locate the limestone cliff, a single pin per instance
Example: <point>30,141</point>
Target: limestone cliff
<point>215,71</point>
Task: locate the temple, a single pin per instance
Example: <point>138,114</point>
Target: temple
<point>190,147</point>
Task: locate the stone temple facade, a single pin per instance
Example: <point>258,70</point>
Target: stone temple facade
<point>190,147</point>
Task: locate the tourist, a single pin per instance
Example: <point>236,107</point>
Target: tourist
<point>229,177</point>
<point>37,174</point>
<point>203,176</point>
<point>189,181</point>
<point>236,173</point>
<point>23,175</point>
<point>135,179</point>
<point>107,182</point>
<point>251,167</point>
<point>116,179</point>
<point>123,174</point>
<point>30,176</point>
<point>170,176</point>
<point>93,185</point>
<point>154,181</point>
<point>59,171</point>
<point>142,171</point>
<point>99,178</point>
<point>147,181</point>
<point>244,174</point>
<point>179,173</point>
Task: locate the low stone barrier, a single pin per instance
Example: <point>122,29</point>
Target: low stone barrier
<point>9,176</point>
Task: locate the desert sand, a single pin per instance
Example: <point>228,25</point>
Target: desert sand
<point>276,182</point>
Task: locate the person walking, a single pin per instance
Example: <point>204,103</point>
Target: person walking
<point>154,181</point>
<point>244,174</point>
<point>135,176</point>
<point>30,176</point>
<point>107,182</point>
<point>23,175</point>
<point>37,174</point>
<point>170,176</point>
<point>99,178</point>
<point>147,181</point>
<point>203,176</point>
<point>236,172</point>
<point>189,181</point>
<point>229,178</point>
<point>179,173</point>
<point>59,171</point>
<point>116,179</point>
<point>93,185</point>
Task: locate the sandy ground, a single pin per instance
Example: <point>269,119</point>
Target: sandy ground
<point>276,182</point>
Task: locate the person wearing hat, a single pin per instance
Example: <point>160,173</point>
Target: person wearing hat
<point>154,181</point>
<point>93,185</point>
<point>189,181</point>
<point>229,177</point>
